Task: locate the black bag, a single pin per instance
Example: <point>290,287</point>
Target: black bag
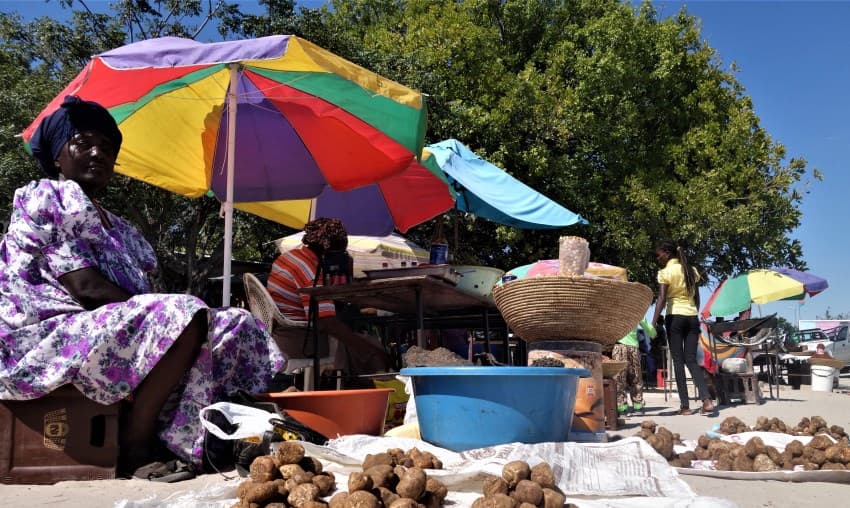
<point>226,454</point>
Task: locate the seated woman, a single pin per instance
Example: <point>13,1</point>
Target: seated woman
<point>297,268</point>
<point>76,304</point>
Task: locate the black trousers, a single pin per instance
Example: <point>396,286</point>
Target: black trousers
<point>683,339</point>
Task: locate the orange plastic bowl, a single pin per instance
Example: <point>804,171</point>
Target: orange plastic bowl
<point>336,412</point>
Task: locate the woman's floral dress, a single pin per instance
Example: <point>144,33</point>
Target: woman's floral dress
<point>48,340</point>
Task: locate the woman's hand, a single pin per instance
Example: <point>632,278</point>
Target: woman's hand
<point>89,287</point>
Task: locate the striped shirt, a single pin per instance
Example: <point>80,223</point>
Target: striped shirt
<point>292,270</point>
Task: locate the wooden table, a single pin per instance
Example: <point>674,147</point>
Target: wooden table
<point>418,296</point>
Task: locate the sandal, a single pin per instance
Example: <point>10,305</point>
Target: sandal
<point>165,472</point>
<point>707,408</point>
<point>685,411</point>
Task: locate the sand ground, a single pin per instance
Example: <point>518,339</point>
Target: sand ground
<point>792,405</point>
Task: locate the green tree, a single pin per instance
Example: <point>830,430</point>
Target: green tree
<point>625,117</point>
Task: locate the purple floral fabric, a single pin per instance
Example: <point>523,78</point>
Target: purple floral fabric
<point>48,340</point>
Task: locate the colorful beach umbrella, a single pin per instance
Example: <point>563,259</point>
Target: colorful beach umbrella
<point>261,120</point>
<point>761,286</point>
<point>487,191</point>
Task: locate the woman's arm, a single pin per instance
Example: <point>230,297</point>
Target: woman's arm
<point>660,303</point>
<point>92,289</point>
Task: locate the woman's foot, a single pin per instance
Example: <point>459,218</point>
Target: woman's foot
<point>707,408</point>
<point>684,412</point>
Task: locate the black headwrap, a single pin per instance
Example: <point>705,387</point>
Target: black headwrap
<point>75,115</point>
<point>326,234</point>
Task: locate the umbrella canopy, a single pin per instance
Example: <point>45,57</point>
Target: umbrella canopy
<point>761,286</point>
<point>489,192</point>
<point>551,267</point>
<point>307,120</point>
<point>398,202</point>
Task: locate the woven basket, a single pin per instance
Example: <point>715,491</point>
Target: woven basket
<point>572,308</point>
<point>612,368</point>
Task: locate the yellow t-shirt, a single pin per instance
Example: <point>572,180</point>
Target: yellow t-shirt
<point>679,302</point>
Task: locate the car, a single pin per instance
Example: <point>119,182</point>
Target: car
<point>836,341</point>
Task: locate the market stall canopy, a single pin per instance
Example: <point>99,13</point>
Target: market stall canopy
<point>489,192</point>
<point>761,286</point>
<point>307,119</point>
<point>371,252</point>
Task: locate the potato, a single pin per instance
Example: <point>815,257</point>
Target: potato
<point>325,483</point>
<point>387,496</point>
<point>436,488</point>
<point>494,485</point>
<point>287,471</point>
<point>516,471</point>
<point>290,452</point>
<point>262,469</point>
<point>311,504</point>
<point>742,462</point>
<point>542,475</point>
<point>648,425</point>
<point>724,463</point>
<point>338,500</point>
<point>403,502</point>
<point>382,475</point>
<point>430,500</point>
<point>259,493</point>
<point>553,499</point>
<point>495,501</point>
<point>361,499</point>
<point>834,466</point>
<point>755,447</point>
<point>310,464</point>
<point>359,481</point>
<point>527,491</point>
<point>774,455</point>
<point>302,494</point>
<point>412,484</point>
<point>377,459</point>
<point>820,442</point>
<point>795,447</point>
<point>763,463</point>
<point>243,487</point>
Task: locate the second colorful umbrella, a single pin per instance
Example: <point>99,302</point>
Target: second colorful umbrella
<point>761,286</point>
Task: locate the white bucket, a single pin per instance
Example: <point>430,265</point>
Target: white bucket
<point>822,378</point>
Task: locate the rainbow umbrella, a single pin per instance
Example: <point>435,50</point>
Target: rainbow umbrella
<point>761,286</point>
<point>252,121</point>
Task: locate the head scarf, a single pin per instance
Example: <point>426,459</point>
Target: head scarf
<point>74,116</point>
<point>325,234</point>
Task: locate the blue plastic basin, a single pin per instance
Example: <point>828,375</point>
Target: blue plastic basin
<point>461,408</point>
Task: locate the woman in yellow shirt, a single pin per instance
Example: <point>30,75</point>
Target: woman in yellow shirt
<point>678,293</point>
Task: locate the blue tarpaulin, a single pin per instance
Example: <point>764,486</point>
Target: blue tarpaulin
<point>489,192</point>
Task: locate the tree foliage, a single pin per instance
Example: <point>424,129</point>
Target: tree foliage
<point>626,117</point>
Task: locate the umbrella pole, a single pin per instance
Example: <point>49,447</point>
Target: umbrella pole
<point>228,202</point>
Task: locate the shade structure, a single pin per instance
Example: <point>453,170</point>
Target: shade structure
<point>399,202</point>
<point>761,286</point>
<point>261,120</point>
<point>489,192</point>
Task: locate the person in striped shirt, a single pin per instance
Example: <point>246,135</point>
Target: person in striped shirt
<point>297,269</point>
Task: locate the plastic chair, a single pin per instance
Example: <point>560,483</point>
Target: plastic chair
<point>288,334</point>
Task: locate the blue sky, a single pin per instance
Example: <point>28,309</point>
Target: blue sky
<point>793,58</point>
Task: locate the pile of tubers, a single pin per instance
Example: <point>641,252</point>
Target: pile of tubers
<point>821,453</point>
<point>806,427</point>
<point>395,479</point>
<point>522,486</point>
<point>288,478</point>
